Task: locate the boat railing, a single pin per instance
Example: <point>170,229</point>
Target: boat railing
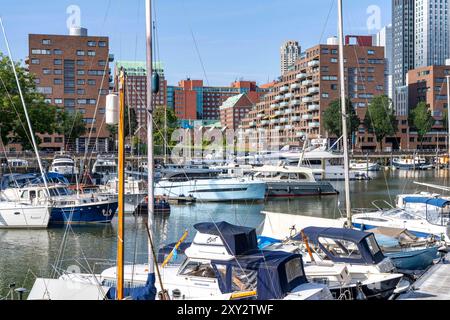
<point>374,203</point>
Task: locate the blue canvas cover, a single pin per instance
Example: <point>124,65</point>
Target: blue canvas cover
<point>274,273</point>
<point>436,202</point>
<point>21,180</point>
<point>359,238</point>
<point>147,292</point>
<point>238,240</point>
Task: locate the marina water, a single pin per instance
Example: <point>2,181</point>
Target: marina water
<point>26,254</point>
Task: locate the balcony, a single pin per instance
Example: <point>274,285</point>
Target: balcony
<point>307,117</point>
<point>278,113</point>
<point>314,107</point>
<point>262,130</point>
<point>307,83</point>
<point>295,86</point>
<point>260,115</point>
<point>300,134</point>
<point>252,124</point>
<point>314,125</point>
<point>274,106</point>
<point>313,63</point>
<point>283,120</point>
<point>295,102</point>
<point>288,111</point>
<point>284,104</point>
<point>284,89</point>
<point>278,128</point>
<point>301,76</point>
<point>313,90</point>
<point>289,127</point>
<point>273,121</point>
<point>306,99</point>
<point>264,122</point>
<point>279,97</point>
<point>288,95</point>
<point>295,119</point>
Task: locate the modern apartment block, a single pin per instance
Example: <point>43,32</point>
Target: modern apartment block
<point>234,109</point>
<point>384,38</point>
<point>296,103</point>
<point>191,100</point>
<point>289,53</point>
<point>136,87</point>
<point>429,84</point>
<point>403,21</point>
<point>432,33</point>
<point>72,71</point>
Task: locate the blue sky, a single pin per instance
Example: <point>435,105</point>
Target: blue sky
<point>235,38</point>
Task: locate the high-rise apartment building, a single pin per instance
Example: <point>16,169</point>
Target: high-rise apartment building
<point>191,100</point>
<point>72,71</point>
<point>384,38</point>
<point>289,53</point>
<point>432,42</point>
<point>136,87</point>
<point>296,103</point>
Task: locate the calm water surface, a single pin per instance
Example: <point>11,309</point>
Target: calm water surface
<point>25,254</point>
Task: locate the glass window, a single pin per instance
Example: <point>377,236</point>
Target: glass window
<point>46,41</point>
<point>80,53</point>
<point>340,248</point>
<point>35,61</point>
<point>373,245</point>
<point>91,53</point>
<point>244,279</point>
<point>92,43</point>
<point>57,62</point>
<point>58,51</point>
<point>198,269</point>
<point>102,43</point>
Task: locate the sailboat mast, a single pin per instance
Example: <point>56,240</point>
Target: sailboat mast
<point>344,114</point>
<point>121,176</point>
<point>41,168</point>
<point>150,160</point>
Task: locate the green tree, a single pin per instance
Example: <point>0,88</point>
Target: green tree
<point>112,130</point>
<point>161,131</point>
<point>332,118</point>
<point>13,125</point>
<point>380,118</point>
<point>420,118</point>
<point>445,119</point>
<point>71,125</point>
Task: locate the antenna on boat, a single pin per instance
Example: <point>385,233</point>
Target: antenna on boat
<point>344,115</point>
<point>41,168</point>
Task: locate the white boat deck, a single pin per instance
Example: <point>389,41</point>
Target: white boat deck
<point>433,285</point>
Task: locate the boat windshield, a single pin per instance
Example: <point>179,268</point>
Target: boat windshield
<point>340,248</point>
<point>58,192</point>
<point>63,164</point>
<point>400,214</point>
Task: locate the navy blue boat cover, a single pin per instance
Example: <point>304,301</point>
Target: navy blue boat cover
<point>358,237</point>
<point>148,292</point>
<point>238,240</point>
<point>277,272</point>
<point>22,180</point>
<point>437,202</point>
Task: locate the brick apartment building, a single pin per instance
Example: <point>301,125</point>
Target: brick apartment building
<point>295,105</point>
<point>191,100</point>
<point>136,88</point>
<point>234,109</point>
<point>72,71</point>
<point>428,84</point>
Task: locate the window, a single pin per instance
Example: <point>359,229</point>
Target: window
<point>342,249</point>
<point>49,101</point>
<point>89,120</point>
<point>46,41</point>
<point>81,91</point>
<point>102,43</point>
<point>82,101</point>
<point>58,101</point>
<point>41,51</point>
<point>92,43</point>
<point>57,62</point>
<point>370,52</point>
<point>102,63</point>
<point>47,140</point>
<point>35,61</point>
<point>57,81</point>
<point>58,139</point>
<point>92,101</point>
<point>81,82</point>
<point>44,90</point>
<point>81,72</point>
<point>198,269</point>
<point>91,82</point>
<point>57,71</point>
<point>333,60</point>
<point>80,62</point>
<point>46,71</point>
<point>80,53</point>
<point>58,51</point>
<point>91,53</point>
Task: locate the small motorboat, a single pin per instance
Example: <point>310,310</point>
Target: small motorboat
<point>161,206</point>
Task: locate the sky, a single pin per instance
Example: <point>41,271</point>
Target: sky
<point>219,41</point>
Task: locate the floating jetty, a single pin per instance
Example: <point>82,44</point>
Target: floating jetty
<point>433,284</point>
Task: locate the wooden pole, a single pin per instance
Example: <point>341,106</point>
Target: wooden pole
<point>120,243</point>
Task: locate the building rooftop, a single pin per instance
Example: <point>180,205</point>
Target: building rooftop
<point>231,101</point>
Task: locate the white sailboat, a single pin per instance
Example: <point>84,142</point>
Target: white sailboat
<point>17,214</point>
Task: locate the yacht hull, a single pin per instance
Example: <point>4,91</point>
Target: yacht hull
<point>85,213</point>
<point>300,189</point>
<point>18,216</point>
<point>213,190</point>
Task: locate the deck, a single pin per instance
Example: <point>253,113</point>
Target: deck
<point>433,285</point>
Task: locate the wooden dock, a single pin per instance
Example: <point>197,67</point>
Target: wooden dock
<point>433,285</point>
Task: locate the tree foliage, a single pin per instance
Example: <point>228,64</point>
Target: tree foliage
<point>420,118</point>
<point>13,125</point>
<point>160,130</point>
<point>380,118</point>
<point>332,118</point>
<point>71,125</point>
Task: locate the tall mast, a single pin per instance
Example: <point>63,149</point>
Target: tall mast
<point>150,160</point>
<point>41,168</point>
<point>344,115</point>
<point>448,119</point>
<point>121,168</point>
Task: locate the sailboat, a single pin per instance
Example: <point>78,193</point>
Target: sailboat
<point>15,214</point>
